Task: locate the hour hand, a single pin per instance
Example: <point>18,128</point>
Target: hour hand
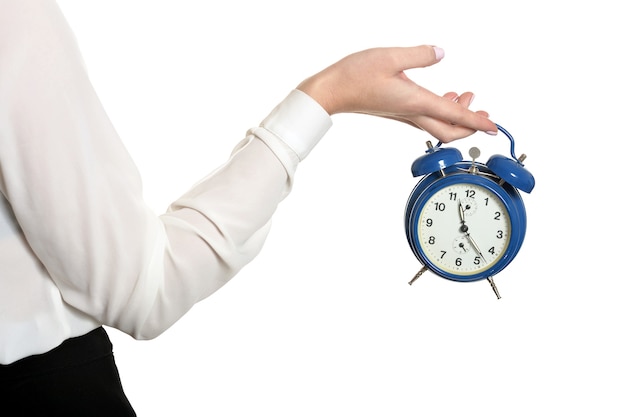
<point>464,227</point>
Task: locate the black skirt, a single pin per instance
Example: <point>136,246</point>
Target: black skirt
<point>77,378</point>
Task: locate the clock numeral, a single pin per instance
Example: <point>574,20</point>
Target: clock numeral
<point>487,201</point>
<point>458,262</point>
<point>500,234</point>
<point>470,193</point>
<point>477,260</point>
<point>492,250</point>
<point>431,240</point>
<point>497,215</point>
<point>452,196</point>
<point>439,206</point>
<point>443,253</point>
<point>429,222</point>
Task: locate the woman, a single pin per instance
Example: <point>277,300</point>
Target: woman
<point>80,249</point>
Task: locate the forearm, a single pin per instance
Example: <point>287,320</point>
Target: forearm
<point>221,224</point>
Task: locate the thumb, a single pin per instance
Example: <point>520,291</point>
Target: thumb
<point>419,56</point>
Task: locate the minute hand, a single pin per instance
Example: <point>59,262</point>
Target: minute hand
<point>473,242</point>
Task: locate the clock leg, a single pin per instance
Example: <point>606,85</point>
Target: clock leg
<point>493,286</point>
<point>419,274</point>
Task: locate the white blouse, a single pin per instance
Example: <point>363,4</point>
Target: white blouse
<point>78,245</point>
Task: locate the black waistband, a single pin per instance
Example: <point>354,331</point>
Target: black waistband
<point>72,352</point>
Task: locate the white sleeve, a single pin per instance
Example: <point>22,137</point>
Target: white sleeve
<point>77,195</point>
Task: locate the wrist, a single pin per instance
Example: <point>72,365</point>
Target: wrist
<point>317,88</point>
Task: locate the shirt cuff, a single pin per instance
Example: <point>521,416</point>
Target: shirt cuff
<point>299,122</point>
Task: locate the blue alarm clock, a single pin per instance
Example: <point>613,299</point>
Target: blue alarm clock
<point>465,220</point>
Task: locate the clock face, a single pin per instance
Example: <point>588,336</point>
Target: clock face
<point>463,229</point>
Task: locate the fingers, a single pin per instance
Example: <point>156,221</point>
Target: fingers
<point>464,99</point>
<point>456,112</point>
<point>452,96</point>
<point>450,118</point>
<point>443,131</point>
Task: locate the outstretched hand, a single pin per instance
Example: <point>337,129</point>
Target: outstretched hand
<point>373,82</point>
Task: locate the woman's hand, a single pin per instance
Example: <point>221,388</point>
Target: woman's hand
<point>373,82</point>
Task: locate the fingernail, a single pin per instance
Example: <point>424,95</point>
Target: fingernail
<point>491,132</point>
<point>439,53</point>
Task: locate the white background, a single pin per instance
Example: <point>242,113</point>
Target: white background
<point>323,321</point>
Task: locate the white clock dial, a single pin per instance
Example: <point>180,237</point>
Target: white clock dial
<point>464,229</point>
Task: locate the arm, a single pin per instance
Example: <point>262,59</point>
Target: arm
<point>77,195</point>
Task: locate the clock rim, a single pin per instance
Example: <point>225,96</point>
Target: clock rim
<point>434,182</point>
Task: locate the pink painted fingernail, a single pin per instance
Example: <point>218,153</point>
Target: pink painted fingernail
<point>491,132</point>
<point>439,53</point>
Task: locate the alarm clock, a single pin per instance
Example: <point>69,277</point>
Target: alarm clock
<point>465,220</point>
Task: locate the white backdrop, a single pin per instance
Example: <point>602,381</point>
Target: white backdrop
<point>323,321</point>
